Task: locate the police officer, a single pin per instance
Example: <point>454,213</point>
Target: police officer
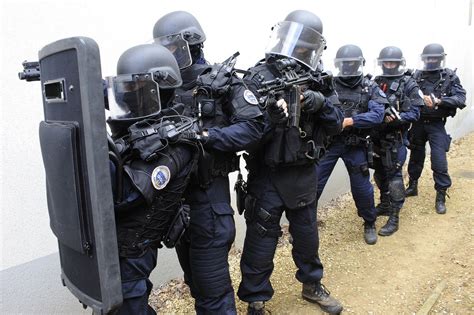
<point>150,165</point>
<point>282,173</point>
<point>230,121</point>
<point>390,139</point>
<point>443,95</point>
<point>363,105</point>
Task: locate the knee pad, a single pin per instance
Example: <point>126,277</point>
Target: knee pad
<point>397,189</point>
<point>258,250</point>
<point>210,271</point>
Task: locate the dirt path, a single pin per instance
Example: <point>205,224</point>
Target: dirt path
<point>398,275</point>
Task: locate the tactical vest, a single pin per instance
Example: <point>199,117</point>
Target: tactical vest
<point>440,88</point>
<point>149,210</point>
<point>354,101</point>
<point>288,145</point>
<point>207,102</point>
<point>395,91</point>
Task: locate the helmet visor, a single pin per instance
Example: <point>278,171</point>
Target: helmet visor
<point>348,67</point>
<point>178,46</point>
<point>296,41</point>
<point>133,95</point>
<point>389,67</point>
<point>431,62</point>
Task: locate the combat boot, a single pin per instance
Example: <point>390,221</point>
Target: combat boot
<point>256,308</point>
<point>392,224</point>
<point>412,189</point>
<point>369,233</point>
<point>383,208</point>
<point>440,202</point>
<point>317,293</point>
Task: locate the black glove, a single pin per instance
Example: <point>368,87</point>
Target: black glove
<point>312,101</point>
<point>276,113</point>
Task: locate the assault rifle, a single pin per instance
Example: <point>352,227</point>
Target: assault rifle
<point>295,80</point>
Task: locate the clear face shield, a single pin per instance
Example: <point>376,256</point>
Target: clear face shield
<point>132,96</point>
<point>432,62</point>
<point>349,67</point>
<point>296,41</point>
<point>390,67</point>
<point>179,47</point>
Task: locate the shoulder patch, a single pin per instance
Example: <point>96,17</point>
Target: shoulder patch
<point>160,177</point>
<point>250,97</point>
<point>420,93</point>
<point>381,93</point>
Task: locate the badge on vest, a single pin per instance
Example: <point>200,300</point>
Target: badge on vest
<point>250,97</point>
<point>160,177</point>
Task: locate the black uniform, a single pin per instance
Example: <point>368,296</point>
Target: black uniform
<point>390,141</point>
<point>230,115</point>
<point>282,178</point>
<point>445,85</point>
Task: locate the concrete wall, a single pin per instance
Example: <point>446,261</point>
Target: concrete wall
<point>29,262</point>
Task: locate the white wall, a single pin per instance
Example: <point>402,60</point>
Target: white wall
<point>27,26</point>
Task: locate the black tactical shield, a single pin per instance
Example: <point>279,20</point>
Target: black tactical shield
<point>75,155</point>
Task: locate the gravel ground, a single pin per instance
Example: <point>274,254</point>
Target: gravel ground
<point>398,275</point>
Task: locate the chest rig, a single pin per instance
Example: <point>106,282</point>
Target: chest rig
<point>293,143</point>
<point>395,91</point>
<point>439,88</point>
<point>354,100</point>
<point>157,160</point>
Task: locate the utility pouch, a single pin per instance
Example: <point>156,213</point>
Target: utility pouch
<point>370,154</point>
<point>177,227</point>
<point>250,202</point>
<point>205,166</point>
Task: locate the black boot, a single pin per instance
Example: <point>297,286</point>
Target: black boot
<point>370,235</point>
<point>392,224</point>
<point>440,201</point>
<point>412,189</point>
<point>317,293</point>
<point>256,308</point>
<point>383,208</point>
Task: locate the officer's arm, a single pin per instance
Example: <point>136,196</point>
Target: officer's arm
<point>371,118</point>
<point>416,103</point>
<point>236,137</point>
<point>330,117</point>
<point>456,97</point>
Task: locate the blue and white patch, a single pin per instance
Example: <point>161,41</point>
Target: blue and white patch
<point>381,93</point>
<point>160,177</point>
<point>421,94</point>
<point>250,97</point>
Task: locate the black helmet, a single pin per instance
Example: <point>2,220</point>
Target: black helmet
<point>306,18</point>
<point>391,54</point>
<point>349,60</point>
<point>433,57</point>
<point>146,78</point>
<point>298,37</point>
<point>180,22</point>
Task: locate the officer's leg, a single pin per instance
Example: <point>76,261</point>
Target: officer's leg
<point>136,286</point>
<point>439,143</point>
<point>362,190</point>
<point>263,230</point>
<point>326,165</point>
<point>183,250</point>
<point>397,192</point>
<point>212,231</point>
<point>417,138</point>
<point>380,178</point>
<point>304,229</point>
